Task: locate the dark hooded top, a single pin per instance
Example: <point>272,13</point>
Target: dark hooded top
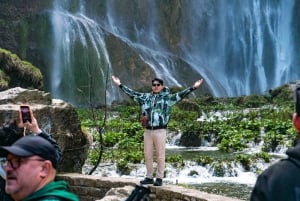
<point>280,181</point>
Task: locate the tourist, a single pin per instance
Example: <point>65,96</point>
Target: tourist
<point>31,169</point>
<point>281,181</point>
<point>156,110</point>
<point>10,133</point>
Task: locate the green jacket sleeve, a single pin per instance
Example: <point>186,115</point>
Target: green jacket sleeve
<point>175,98</point>
<point>136,96</point>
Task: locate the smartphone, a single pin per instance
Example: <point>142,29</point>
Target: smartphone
<point>25,113</point>
<point>297,100</point>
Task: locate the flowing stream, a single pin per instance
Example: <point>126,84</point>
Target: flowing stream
<point>236,182</point>
<point>238,186</point>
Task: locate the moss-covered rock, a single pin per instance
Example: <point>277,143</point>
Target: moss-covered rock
<point>17,73</point>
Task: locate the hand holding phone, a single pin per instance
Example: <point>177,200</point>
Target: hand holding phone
<point>25,114</point>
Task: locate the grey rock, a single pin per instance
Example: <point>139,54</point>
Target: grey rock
<point>55,117</point>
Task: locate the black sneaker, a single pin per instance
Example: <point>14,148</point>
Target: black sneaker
<point>158,182</point>
<point>147,181</point>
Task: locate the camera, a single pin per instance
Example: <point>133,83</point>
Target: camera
<point>297,99</point>
<point>25,114</point>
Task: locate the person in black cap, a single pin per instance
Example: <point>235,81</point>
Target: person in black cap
<point>30,171</point>
<point>10,133</point>
<point>156,110</point>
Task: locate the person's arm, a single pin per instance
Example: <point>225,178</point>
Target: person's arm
<point>187,91</point>
<point>136,96</point>
<point>53,142</point>
<point>33,127</point>
<point>35,130</point>
<point>116,80</point>
<point>174,98</point>
<point>197,84</point>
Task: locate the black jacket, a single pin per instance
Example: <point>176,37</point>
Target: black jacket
<point>8,135</point>
<point>281,181</point>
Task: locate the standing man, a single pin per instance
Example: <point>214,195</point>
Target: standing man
<point>156,110</point>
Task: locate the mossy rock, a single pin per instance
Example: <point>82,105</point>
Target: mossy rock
<point>17,73</point>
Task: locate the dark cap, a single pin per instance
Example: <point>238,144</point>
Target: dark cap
<point>31,145</point>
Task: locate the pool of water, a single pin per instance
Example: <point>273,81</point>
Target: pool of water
<point>192,153</point>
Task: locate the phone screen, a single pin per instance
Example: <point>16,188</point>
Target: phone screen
<point>25,114</point>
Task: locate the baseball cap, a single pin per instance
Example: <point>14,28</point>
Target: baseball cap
<point>31,145</point>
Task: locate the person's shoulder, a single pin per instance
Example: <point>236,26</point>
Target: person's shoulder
<point>282,169</point>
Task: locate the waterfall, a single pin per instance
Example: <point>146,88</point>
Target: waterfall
<point>247,47</point>
<point>239,47</point>
<point>79,56</point>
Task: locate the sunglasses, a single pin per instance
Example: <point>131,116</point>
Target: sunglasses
<point>155,85</point>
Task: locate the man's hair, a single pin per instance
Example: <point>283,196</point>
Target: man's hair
<point>158,80</point>
<point>8,135</point>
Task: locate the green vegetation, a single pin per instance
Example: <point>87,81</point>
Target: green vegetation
<point>16,72</point>
<point>231,124</point>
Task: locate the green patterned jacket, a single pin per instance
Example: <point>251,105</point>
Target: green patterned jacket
<point>157,107</point>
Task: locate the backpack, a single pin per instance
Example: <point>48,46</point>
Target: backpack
<point>139,193</point>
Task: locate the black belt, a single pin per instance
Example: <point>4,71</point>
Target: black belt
<point>155,127</point>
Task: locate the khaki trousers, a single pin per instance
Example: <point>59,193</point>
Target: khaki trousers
<point>155,140</point>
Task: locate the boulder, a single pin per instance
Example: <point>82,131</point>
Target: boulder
<point>55,117</point>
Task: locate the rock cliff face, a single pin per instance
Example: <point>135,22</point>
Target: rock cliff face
<point>16,17</point>
<point>55,117</point>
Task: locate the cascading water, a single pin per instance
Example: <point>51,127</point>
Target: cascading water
<point>247,47</point>
<point>79,57</point>
<point>239,47</point>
